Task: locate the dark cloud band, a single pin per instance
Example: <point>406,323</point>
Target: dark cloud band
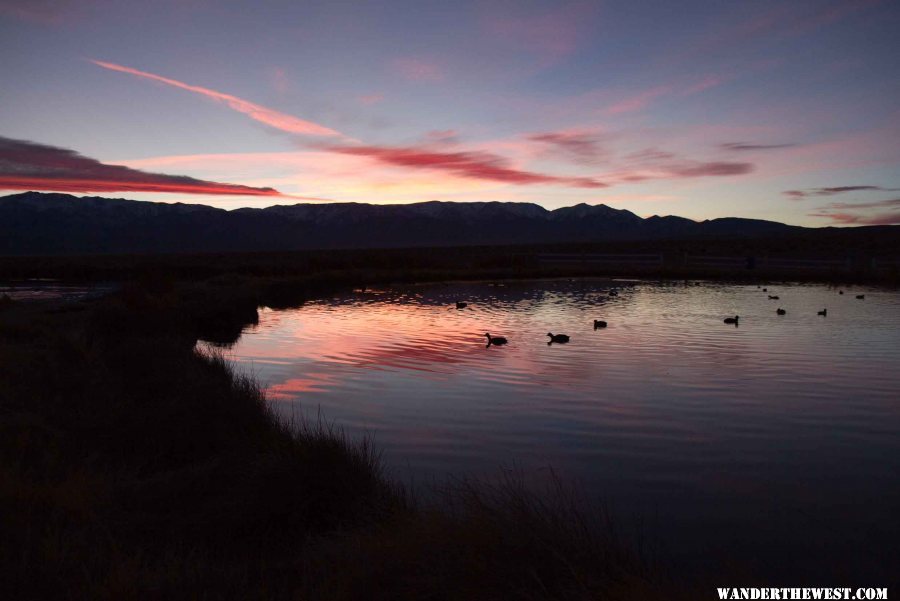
<point>28,165</point>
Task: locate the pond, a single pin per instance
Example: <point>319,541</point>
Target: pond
<point>774,443</point>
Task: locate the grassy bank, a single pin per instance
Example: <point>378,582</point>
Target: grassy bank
<point>133,467</point>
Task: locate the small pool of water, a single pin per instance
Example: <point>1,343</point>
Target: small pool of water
<point>776,442</point>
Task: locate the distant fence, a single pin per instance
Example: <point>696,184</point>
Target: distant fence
<point>724,264</point>
<point>767,263</point>
<point>719,262</point>
<point>886,264</point>
<point>595,259</point>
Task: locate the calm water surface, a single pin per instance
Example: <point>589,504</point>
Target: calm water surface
<point>779,438</point>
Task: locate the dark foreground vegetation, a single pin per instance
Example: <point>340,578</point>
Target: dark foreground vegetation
<point>132,466</point>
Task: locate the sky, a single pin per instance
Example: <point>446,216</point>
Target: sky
<point>788,111</point>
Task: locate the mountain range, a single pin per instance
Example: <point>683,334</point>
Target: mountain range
<point>34,223</point>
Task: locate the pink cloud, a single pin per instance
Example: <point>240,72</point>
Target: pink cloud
<point>831,14</point>
<point>466,164</point>
<point>267,116</point>
<point>581,146</point>
<point>42,12</point>
<point>370,99</point>
<point>550,36</point>
<point>876,146</point>
<point>30,166</point>
<point>637,101</point>
<point>708,82</point>
<point>339,176</point>
<point>279,79</point>
<point>713,168</point>
<point>442,137</point>
<point>877,204</point>
<point>784,20</point>
<point>892,218</point>
<point>856,213</point>
<point>749,147</point>
<point>641,100</point>
<point>801,194</point>
<point>416,69</point>
<point>653,163</point>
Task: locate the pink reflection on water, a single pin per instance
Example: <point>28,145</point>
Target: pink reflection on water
<point>292,388</point>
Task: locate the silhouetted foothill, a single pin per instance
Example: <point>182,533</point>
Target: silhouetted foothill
<point>37,223</point>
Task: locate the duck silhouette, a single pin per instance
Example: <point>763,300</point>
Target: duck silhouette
<point>733,320</point>
<point>460,305</point>
<point>561,338</point>
<point>781,311</point>
<point>840,291</point>
<point>860,296</point>
<point>773,297</point>
<point>823,313</point>
<point>599,323</point>
<point>495,340</point>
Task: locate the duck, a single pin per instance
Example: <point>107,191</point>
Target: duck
<point>765,289</point>
<point>773,297</point>
<point>599,323</point>
<point>840,291</point>
<point>860,296</point>
<point>495,340</point>
<point>461,305</point>
<point>614,292</point>
<point>733,320</point>
<point>781,311</point>
<point>561,338</point>
<point>823,313</point>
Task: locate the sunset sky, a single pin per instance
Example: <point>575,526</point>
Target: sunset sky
<point>775,110</point>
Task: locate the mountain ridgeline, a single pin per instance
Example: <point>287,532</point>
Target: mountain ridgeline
<point>35,223</point>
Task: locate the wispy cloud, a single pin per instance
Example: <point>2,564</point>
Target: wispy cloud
<point>550,36</point>
<point>637,101</point>
<point>747,147</point>
<point>878,204</point>
<point>801,194</point>
<point>654,163</point>
<point>262,114</point>
<point>280,80</point>
<point>584,147</point>
<point>891,218</point>
<point>370,99</point>
<point>784,20</point>
<point>860,213</point>
<point>43,12</point>
<point>466,164</point>
<point>710,81</point>
<point>831,14</point>
<point>28,165</point>
<point>416,69</point>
